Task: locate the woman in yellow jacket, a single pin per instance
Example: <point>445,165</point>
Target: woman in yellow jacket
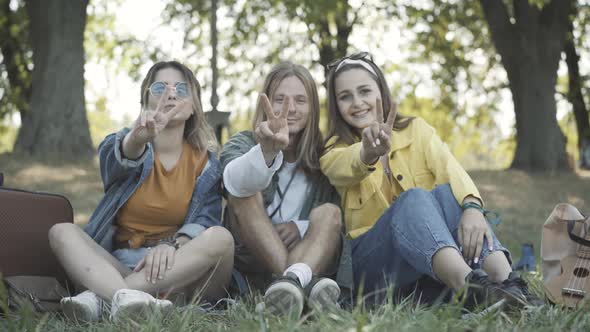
<point>410,208</point>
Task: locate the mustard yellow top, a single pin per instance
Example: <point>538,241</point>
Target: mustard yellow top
<point>159,206</point>
<point>418,158</point>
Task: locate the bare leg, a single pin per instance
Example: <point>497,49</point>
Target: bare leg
<point>256,231</point>
<point>448,265</point>
<point>497,267</point>
<point>205,261</point>
<point>86,262</point>
<point>320,245</point>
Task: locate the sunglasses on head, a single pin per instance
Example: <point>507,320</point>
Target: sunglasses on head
<point>356,56</point>
<point>157,89</point>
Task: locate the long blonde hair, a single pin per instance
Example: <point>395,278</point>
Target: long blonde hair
<point>197,132</point>
<point>310,145</point>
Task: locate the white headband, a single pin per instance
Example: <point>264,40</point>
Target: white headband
<point>365,65</point>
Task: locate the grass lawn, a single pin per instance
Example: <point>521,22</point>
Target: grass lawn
<point>523,200</point>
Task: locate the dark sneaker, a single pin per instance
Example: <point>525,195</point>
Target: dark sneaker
<point>322,294</point>
<point>516,284</point>
<point>285,296</point>
<point>481,292</point>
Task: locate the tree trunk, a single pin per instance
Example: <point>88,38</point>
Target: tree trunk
<point>577,100</point>
<point>540,142</point>
<point>530,49</point>
<point>57,126</point>
<point>330,46</point>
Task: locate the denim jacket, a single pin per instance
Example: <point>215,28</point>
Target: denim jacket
<point>121,177</point>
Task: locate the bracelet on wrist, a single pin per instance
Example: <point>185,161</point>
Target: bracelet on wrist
<point>491,217</point>
<point>177,243</point>
<point>171,242</point>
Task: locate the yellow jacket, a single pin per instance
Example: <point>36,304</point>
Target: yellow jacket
<point>418,158</point>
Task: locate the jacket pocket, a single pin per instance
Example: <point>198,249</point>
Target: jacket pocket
<point>360,194</point>
<point>424,179</point>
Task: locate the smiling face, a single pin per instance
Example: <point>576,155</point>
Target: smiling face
<point>170,76</point>
<point>356,92</point>
<point>298,116</point>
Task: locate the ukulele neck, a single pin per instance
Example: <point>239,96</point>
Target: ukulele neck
<point>583,252</point>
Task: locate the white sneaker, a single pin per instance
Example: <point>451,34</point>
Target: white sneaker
<point>323,294</point>
<point>284,297</point>
<point>130,302</point>
<point>85,306</point>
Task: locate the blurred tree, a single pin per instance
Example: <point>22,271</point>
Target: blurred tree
<point>530,42</point>
<point>118,52</point>
<point>529,37</point>
<point>259,33</point>
<point>451,39</point>
<point>255,35</point>
<point>55,123</point>
<point>101,124</point>
<point>575,83</point>
<point>16,59</point>
<point>103,44</point>
<point>328,24</point>
<point>7,137</point>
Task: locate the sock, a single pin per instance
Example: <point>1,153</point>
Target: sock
<point>302,271</point>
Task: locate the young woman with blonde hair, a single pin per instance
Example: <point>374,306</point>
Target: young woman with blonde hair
<point>157,228</point>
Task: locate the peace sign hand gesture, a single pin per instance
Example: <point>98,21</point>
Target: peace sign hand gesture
<point>151,122</point>
<point>272,134</point>
<point>376,138</point>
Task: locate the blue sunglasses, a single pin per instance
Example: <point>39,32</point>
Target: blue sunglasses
<point>157,89</point>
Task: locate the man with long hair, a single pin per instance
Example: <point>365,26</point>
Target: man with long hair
<point>282,211</point>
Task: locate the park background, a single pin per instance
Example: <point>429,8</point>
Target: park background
<point>505,83</point>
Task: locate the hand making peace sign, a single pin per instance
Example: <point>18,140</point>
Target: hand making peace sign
<point>272,134</point>
<point>376,138</point>
<point>151,122</point>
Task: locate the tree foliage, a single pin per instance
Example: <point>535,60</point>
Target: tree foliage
<point>525,39</point>
<point>577,86</point>
<point>103,43</point>
<point>324,24</point>
<point>16,62</point>
<point>255,35</point>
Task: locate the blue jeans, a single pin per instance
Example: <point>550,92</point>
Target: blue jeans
<point>398,249</point>
<point>130,257</point>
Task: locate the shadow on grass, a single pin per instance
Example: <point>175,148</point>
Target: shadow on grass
<point>525,200</point>
<point>79,182</point>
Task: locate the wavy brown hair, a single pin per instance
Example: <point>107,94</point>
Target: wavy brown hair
<point>336,124</point>
<point>310,145</point>
<point>197,131</point>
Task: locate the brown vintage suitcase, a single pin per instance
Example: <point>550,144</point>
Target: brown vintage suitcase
<point>25,220</point>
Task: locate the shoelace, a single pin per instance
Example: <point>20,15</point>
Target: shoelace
<point>481,281</point>
<point>520,283</point>
<point>482,286</point>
